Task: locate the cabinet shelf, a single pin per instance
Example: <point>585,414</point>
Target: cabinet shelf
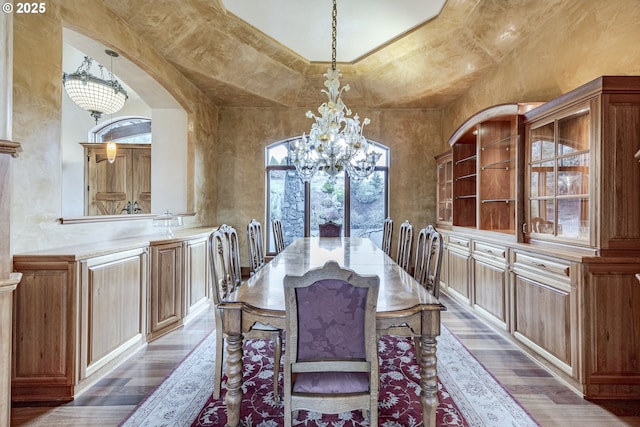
<point>498,165</point>
<point>469,196</point>
<point>469,176</point>
<point>498,201</point>
<point>466,159</point>
<point>498,142</point>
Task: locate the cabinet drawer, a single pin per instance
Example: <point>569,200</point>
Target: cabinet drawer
<point>486,249</point>
<point>534,266</point>
<point>460,244</point>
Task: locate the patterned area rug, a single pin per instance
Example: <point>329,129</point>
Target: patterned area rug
<point>469,396</point>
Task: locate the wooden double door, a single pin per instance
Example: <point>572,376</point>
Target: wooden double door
<point>121,187</point>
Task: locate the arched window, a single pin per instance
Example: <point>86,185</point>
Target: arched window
<point>359,206</point>
<point>123,130</point>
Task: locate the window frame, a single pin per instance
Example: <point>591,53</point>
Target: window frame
<point>307,191</point>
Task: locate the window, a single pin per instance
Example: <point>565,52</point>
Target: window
<point>123,130</point>
<point>359,206</point>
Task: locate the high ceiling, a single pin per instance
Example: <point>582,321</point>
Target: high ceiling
<point>425,66</point>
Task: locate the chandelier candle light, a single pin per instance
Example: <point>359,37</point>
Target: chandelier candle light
<point>335,143</point>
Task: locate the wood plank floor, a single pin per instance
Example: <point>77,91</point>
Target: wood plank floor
<point>547,399</point>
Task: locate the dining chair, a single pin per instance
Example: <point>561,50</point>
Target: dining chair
<point>278,236</point>
<point>420,266</point>
<point>331,352</point>
<point>405,240</point>
<point>434,263</point>
<point>254,243</point>
<point>387,234</point>
<point>329,229</point>
<point>223,249</point>
<point>428,259</point>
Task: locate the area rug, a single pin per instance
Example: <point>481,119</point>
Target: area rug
<point>469,396</point>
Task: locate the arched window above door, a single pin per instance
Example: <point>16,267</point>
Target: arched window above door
<point>123,130</point>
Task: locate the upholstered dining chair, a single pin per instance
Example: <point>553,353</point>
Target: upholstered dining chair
<point>387,235</point>
<point>405,240</point>
<point>278,236</point>
<point>254,243</point>
<point>331,357</point>
<point>223,250</point>
<point>329,229</point>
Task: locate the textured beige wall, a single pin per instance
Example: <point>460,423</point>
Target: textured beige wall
<point>585,40</point>
<point>37,91</point>
<point>412,135</point>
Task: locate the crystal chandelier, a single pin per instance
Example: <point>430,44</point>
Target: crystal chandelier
<point>335,143</point>
<point>95,94</point>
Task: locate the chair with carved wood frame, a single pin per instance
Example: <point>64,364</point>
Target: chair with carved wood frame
<point>420,265</point>
<point>435,253</point>
<point>225,273</point>
<point>405,240</point>
<point>331,355</point>
<point>387,235</point>
<point>329,229</point>
<point>428,262</point>
<point>278,236</point>
<point>254,244</point>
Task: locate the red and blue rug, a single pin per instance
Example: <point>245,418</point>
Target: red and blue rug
<point>469,395</point>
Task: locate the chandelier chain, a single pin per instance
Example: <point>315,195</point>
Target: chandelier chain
<point>334,33</point>
<point>335,145</point>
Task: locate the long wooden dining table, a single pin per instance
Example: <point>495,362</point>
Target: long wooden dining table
<point>402,303</point>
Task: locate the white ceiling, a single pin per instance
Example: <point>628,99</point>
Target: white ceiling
<point>304,26</point>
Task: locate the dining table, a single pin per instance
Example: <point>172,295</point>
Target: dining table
<point>402,304</point>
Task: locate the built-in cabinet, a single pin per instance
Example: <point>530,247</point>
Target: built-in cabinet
<point>549,250</point>
<point>486,158</point>
<point>84,309</point>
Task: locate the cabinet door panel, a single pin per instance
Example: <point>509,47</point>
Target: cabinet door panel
<point>115,290</point>
<point>490,289</point>
<point>459,273</point>
<point>44,317</point>
<point>166,286</point>
<point>197,273</point>
<point>614,298</point>
<point>542,314</point>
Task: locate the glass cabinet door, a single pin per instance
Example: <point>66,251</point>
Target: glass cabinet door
<point>445,190</point>
<point>558,178</point>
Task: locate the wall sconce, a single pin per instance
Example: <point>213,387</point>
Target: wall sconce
<point>111,151</point>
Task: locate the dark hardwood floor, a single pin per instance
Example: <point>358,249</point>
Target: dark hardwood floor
<point>546,398</point>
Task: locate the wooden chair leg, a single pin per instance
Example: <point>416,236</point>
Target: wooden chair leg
<point>217,381</point>
<point>277,353</point>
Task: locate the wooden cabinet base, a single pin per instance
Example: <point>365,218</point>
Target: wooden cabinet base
<point>51,390</point>
<point>81,311</point>
<point>573,312</point>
